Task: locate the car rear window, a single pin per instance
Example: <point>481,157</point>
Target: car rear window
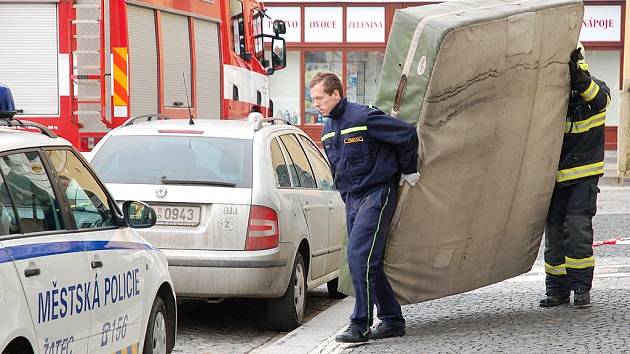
<point>178,159</point>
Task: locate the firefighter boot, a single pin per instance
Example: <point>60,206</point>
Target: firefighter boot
<point>353,334</point>
<point>581,297</point>
<point>554,300</point>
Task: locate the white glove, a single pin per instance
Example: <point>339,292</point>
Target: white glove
<point>411,178</point>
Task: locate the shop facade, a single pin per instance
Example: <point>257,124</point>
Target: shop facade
<point>349,38</point>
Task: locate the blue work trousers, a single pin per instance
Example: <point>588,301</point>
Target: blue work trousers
<point>368,217</point>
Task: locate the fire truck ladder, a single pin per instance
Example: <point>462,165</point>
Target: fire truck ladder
<point>87,88</point>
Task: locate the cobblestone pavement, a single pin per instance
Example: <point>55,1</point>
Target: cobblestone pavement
<point>506,318</point>
<point>234,326</point>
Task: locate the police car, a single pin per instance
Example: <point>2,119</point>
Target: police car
<point>74,276</point>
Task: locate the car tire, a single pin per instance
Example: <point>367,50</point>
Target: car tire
<point>155,341</point>
<point>287,313</point>
<point>333,289</point>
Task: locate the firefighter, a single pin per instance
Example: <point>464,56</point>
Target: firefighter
<point>368,151</point>
<point>569,262</point>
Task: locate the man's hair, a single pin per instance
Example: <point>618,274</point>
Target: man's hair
<point>330,81</point>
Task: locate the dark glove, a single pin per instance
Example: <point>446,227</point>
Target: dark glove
<point>580,79</point>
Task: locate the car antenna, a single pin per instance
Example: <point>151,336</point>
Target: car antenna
<point>190,117</point>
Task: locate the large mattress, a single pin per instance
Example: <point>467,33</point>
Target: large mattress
<point>487,84</point>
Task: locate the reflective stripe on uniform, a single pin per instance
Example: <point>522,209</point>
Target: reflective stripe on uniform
<point>585,125</point>
<point>555,270</point>
<point>583,65</point>
<point>591,91</point>
<point>568,174</point>
<point>367,270</point>
<point>327,136</point>
<point>354,129</point>
<point>581,263</point>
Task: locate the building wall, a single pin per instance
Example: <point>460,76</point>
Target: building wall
<point>349,38</point>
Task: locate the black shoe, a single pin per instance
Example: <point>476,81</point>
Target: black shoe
<point>387,331</point>
<point>353,334</point>
<point>554,300</point>
<point>581,297</point>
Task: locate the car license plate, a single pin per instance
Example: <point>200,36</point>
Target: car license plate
<point>180,215</point>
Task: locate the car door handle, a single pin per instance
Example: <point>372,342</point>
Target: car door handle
<point>330,205</point>
<point>307,206</point>
<point>31,272</point>
<point>96,264</point>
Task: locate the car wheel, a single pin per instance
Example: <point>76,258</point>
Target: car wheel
<point>287,312</point>
<point>333,291</point>
<point>155,339</point>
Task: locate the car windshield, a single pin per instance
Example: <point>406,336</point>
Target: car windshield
<point>183,160</point>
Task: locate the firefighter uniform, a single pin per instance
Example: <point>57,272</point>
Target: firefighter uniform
<point>368,151</point>
<point>569,261</point>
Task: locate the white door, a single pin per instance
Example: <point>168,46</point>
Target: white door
<point>53,268</point>
<point>336,208</point>
<point>313,201</point>
<point>115,256</point>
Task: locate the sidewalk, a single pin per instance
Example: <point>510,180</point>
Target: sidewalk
<point>611,173</point>
<point>315,335</point>
<point>505,317</point>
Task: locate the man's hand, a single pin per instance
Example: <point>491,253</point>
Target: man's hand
<point>580,79</point>
<point>411,178</point>
<point>576,55</point>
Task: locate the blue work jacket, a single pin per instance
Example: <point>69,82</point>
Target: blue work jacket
<point>367,147</point>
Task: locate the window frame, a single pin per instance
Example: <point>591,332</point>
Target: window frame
<point>239,21</point>
<point>295,135</point>
<point>258,25</point>
<point>52,178</point>
<point>113,206</point>
<point>283,154</point>
<point>305,137</point>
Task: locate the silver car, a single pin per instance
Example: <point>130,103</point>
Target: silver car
<point>245,208</point>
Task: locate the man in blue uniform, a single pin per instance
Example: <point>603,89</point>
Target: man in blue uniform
<point>569,262</point>
<point>370,154</point>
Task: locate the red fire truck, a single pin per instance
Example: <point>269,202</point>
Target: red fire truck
<point>83,67</point>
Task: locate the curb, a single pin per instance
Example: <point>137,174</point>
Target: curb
<point>312,334</point>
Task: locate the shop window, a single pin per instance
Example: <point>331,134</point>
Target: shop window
<point>284,86</point>
<point>604,65</point>
<point>364,72</point>
<point>315,62</point>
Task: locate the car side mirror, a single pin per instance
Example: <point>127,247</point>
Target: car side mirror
<point>138,215</point>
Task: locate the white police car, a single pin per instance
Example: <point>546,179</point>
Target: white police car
<point>74,277</point>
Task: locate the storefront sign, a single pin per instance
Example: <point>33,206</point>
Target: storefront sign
<point>601,24</point>
<point>323,24</point>
<point>292,19</point>
<point>365,24</point>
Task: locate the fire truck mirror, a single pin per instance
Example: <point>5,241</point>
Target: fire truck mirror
<point>279,27</point>
<point>278,53</point>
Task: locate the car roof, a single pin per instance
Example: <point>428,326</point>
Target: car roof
<point>242,129</point>
<point>11,139</point>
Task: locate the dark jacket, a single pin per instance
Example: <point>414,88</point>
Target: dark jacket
<point>582,153</point>
<point>367,147</point>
